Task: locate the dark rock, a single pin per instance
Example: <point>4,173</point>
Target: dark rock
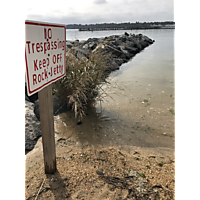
<point>92,40</point>
<point>36,110</point>
<point>84,52</point>
<point>131,50</point>
<point>138,45</point>
<point>32,127</point>
<point>90,44</point>
<point>126,34</point>
<point>125,55</point>
<point>69,45</point>
<point>114,43</point>
<point>26,98</point>
<point>120,42</point>
<point>144,44</point>
<point>31,98</point>
<point>146,39</point>
<point>58,107</point>
<point>100,173</point>
<point>113,68</point>
<point>113,50</point>
<point>123,38</point>
<point>120,61</point>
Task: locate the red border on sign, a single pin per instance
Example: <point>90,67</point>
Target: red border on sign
<point>51,25</point>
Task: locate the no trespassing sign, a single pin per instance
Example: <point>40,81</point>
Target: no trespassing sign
<point>45,54</point>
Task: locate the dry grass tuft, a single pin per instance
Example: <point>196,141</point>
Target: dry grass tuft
<point>84,78</point>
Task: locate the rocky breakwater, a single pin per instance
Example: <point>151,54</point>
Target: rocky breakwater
<point>32,118</point>
<point>32,126</point>
<point>116,49</point>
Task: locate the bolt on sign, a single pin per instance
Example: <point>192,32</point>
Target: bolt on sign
<point>45,53</point>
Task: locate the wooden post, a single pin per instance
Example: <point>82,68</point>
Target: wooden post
<point>47,128</point>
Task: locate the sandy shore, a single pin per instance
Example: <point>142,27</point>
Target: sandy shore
<point>76,176</point>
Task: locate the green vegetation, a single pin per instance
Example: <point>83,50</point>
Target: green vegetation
<point>145,100</point>
<point>72,158</point>
<point>161,164</point>
<point>142,175</point>
<point>172,111</point>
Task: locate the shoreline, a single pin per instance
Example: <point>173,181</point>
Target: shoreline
<point>109,29</point>
<point>118,49</point>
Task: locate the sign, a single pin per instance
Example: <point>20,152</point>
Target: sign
<point>45,54</point>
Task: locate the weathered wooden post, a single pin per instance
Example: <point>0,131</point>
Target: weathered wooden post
<point>45,55</point>
<point>47,128</point>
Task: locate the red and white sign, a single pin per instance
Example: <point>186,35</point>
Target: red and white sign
<point>45,54</point>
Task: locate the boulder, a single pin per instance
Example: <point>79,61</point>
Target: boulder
<point>131,50</point>
<point>137,45</point>
<point>32,126</point>
<point>123,38</point>
<point>112,65</point>
<point>58,107</point>
<point>69,45</point>
<point>113,68</point>
<point>148,40</point>
<point>84,52</point>
<point>144,44</point>
<point>120,42</point>
<point>91,45</point>
<point>31,98</point>
<point>126,34</point>
<point>93,40</point>
<point>113,50</point>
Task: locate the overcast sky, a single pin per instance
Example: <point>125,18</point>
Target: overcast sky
<point>99,11</point>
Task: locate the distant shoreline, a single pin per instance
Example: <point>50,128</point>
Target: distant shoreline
<point>122,26</point>
<point>108,29</point>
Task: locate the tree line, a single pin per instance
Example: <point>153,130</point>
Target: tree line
<point>127,25</point>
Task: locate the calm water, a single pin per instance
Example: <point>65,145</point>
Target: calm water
<point>140,102</point>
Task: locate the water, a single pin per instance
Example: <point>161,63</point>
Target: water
<point>138,108</point>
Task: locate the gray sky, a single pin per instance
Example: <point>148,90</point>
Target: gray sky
<point>99,11</point>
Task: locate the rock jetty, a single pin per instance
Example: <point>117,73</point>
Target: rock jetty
<point>120,48</point>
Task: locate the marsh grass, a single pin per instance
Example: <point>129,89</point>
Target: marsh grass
<point>83,81</point>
